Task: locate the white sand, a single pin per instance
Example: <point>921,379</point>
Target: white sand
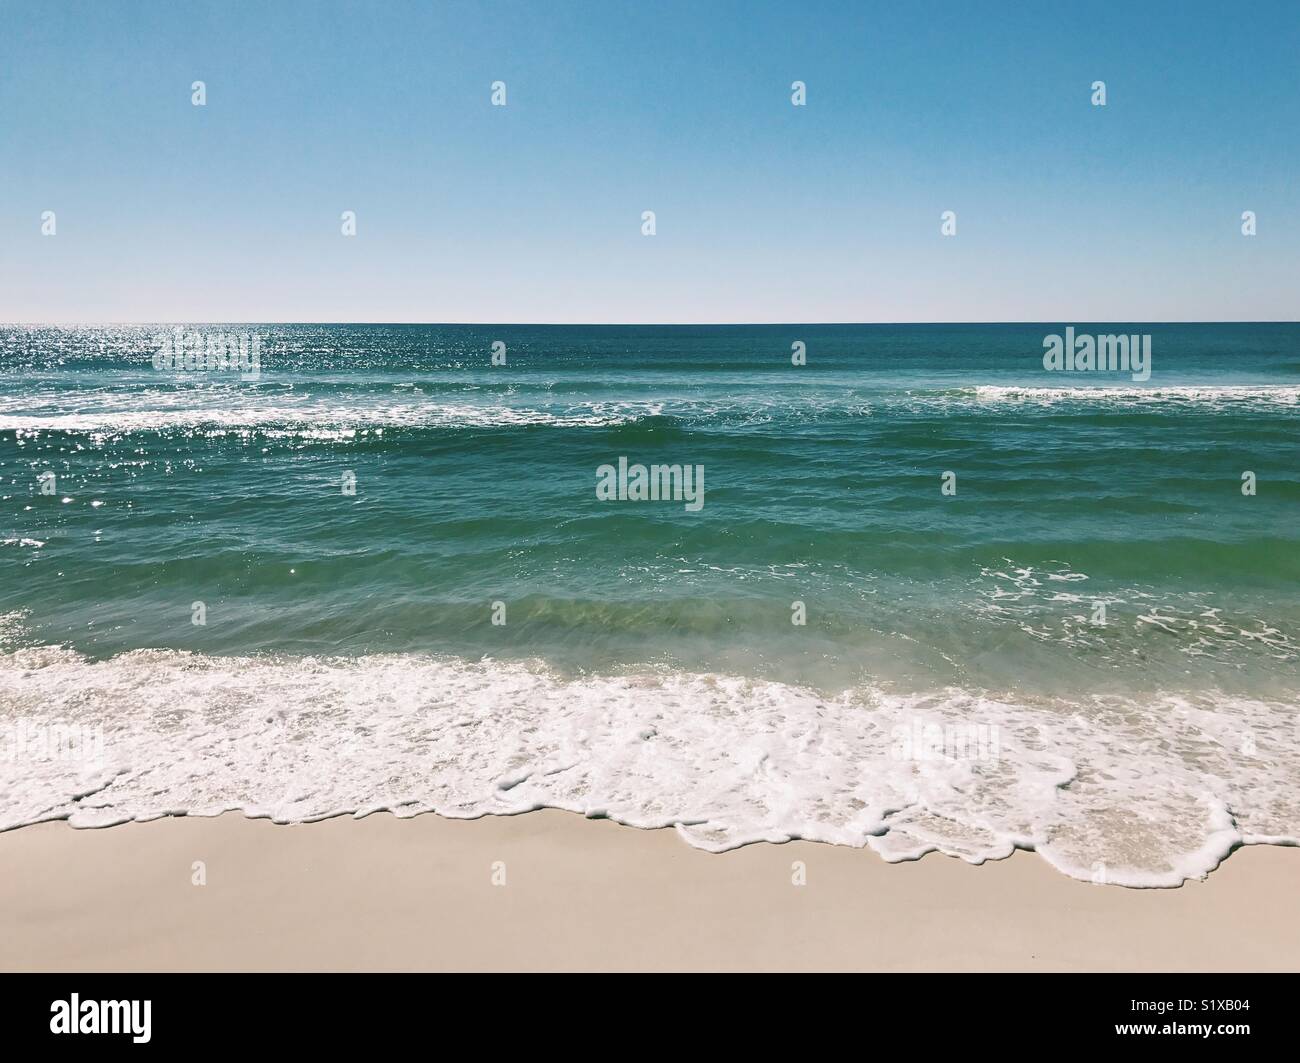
<point>387,894</point>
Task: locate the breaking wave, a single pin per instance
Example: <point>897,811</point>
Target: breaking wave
<point>1144,792</point>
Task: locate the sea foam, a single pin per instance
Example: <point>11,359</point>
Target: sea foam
<point>1265,394</point>
<point>1133,791</point>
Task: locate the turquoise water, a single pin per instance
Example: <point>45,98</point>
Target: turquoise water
<point>476,484</point>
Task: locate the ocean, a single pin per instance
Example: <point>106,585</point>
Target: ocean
<point>934,596</point>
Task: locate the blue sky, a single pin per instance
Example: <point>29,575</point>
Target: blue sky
<point>765,212</point>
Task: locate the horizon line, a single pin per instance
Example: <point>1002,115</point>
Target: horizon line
<point>644,324</point>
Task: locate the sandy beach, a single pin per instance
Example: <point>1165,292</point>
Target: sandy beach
<point>382,894</point>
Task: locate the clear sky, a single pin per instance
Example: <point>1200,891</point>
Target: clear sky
<point>765,212</point>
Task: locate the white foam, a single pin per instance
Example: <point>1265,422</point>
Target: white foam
<point>1271,394</point>
<point>1135,792</point>
<point>324,420</point>
<point>301,413</point>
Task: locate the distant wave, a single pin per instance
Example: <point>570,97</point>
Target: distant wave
<point>341,419</point>
<point>1280,394</point>
<point>330,420</point>
<point>1141,792</point>
<point>341,416</point>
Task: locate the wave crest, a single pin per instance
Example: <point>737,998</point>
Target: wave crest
<point>1276,395</point>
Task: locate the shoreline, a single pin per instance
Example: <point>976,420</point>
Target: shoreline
<point>384,894</point>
